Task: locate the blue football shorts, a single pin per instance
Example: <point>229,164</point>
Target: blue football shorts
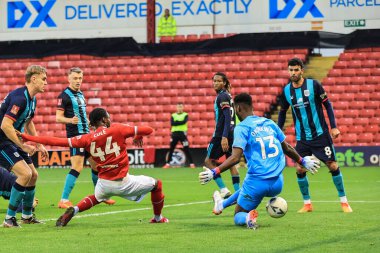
<point>254,190</point>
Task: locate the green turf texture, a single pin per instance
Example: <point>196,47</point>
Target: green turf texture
<point>193,227</point>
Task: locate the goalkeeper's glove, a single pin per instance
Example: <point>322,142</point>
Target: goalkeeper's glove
<point>207,175</point>
<point>310,164</point>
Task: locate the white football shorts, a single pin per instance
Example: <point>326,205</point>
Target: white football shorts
<point>131,187</point>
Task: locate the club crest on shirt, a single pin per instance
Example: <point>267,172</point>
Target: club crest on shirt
<point>15,109</point>
<point>306,93</point>
<point>16,154</point>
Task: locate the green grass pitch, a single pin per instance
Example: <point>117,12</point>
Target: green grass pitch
<point>124,227</point>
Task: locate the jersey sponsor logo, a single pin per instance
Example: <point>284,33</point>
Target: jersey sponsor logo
<point>15,109</point>
<point>306,93</point>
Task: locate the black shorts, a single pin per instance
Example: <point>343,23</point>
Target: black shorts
<point>80,152</point>
<point>322,147</point>
<point>10,154</point>
<point>214,149</point>
<point>179,136</point>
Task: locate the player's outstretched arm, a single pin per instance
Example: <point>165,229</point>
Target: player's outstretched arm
<point>308,162</point>
<point>208,174</point>
<point>46,140</point>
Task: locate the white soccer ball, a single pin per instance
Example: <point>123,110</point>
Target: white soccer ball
<point>277,207</point>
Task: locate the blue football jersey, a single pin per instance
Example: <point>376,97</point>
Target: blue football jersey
<point>261,138</point>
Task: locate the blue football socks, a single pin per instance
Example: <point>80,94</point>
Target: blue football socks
<point>303,184</point>
<point>236,182</point>
<point>338,181</point>
<point>71,178</point>
<point>17,194</point>
<point>27,201</point>
<point>219,182</point>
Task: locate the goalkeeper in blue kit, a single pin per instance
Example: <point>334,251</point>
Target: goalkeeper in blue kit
<point>264,147</point>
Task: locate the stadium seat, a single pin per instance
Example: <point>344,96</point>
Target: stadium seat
<point>363,72</point>
<point>346,121</point>
<point>340,64</point>
<point>367,113</point>
<point>166,39</point>
<point>373,105</point>
<point>357,80</point>
<point>192,37</point>
<point>362,121</point>
<point>335,73</point>
<point>179,38</point>
<point>349,72</point>
<point>357,105</point>
<point>205,36</point>
<point>216,36</point>
<point>343,81</point>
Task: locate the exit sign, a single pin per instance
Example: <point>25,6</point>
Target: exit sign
<point>354,23</point>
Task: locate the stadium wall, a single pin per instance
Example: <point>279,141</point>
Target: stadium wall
<point>151,157</point>
<point>66,19</point>
<point>128,46</point>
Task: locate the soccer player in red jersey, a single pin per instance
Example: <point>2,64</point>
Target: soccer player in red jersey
<point>108,149</point>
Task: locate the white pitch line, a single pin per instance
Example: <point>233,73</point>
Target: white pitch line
<point>195,203</point>
<point>131,210</point>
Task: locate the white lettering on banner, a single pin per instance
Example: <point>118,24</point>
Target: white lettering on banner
<point>137,157</point>
<point>354,3</point>
<point>105,11</point>
<point>179,8</point>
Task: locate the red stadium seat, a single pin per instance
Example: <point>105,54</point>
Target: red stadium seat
<point>363,72</point>
<point>374,105</point>
<point>362,121</point>
<point>349,72</point>
<point>358,80</point>
<point>179,38</point>
<point>205,36</point>
<point>192,37</point>
<point>340,64</point>
<point>335,73</point>
<point>372,128</point>
<point>166,39</point>
<point>367,113</point>
<point>357,105</point>
<point>218,36</point>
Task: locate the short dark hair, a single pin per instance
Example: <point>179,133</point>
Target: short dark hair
<point>97,115</point>
<point>295,62</point>
<point>243,98</point>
